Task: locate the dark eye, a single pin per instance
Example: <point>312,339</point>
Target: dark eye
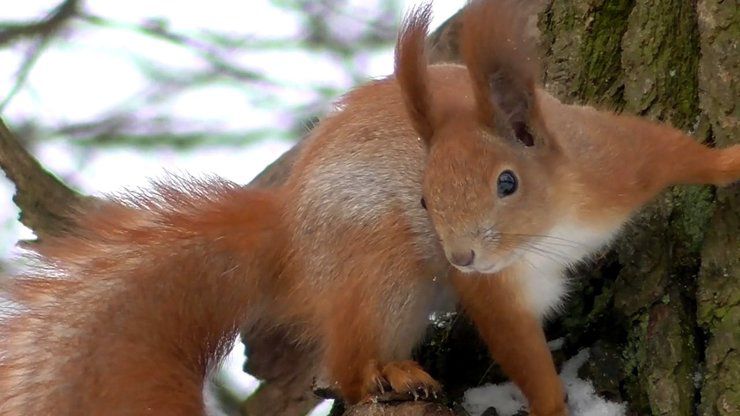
<point>423,203</point>
<point>507,183</point>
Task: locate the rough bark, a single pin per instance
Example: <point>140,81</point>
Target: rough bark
<point>671,283</point>
<point>661,310</point>
<point>718,288</point>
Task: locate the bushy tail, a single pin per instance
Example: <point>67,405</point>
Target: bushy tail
<point>689,162</point>
<point>727,169</point>
<point>128,313</point>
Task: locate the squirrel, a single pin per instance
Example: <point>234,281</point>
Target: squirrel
<point>442,183</point>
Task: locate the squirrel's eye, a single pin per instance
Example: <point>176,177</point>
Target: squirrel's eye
<point>507,183</point>
<point>423,203</point>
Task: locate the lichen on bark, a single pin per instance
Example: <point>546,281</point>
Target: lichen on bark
<point>718,292</point>
<point>583,41</point>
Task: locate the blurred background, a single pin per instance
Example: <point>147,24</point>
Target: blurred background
<point>108,93</point>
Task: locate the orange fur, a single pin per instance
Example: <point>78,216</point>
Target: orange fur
<point>129,313</point>
<point>514,337</point>
<point>411,62</point>
<point>502,81</point>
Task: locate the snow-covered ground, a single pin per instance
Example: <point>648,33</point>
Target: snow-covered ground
<point>508,400</point>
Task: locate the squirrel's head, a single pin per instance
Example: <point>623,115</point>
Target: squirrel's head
<point>488,183</point>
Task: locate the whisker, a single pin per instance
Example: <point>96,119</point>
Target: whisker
<point>553,256</point>
<point>530,247</point>
<point>563,241</point>
<point>553,249</point>
<point>550,250</point>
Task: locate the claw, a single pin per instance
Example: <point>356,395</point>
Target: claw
<point>408,378</point>
<point>381,388</point>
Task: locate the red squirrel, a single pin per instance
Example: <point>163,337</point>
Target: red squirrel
<point>442,183</point>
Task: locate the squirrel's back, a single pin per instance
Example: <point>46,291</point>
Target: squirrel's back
<point>365,162</point>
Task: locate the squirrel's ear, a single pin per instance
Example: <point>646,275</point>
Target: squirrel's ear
<point>411,69</point>
<point>503,67</point>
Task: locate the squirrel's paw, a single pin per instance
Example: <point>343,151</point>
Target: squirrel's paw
<point>399,380</point>
<point>408,377</point>
<point>375,384</point>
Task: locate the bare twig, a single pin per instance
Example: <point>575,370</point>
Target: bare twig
<point>209,52</point>
<point>55,20</point>
<point>29,60</point>
<point>43,31</point>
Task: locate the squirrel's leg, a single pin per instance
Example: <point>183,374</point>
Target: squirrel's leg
<point>670,157</point>
<point>514,337</point>
<point>368,341</point>
<point>698,164</point>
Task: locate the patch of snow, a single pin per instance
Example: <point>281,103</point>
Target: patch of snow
<point>211,402</point>
<point>442,319</point>
<point>322,409</point>
<point>556,344</point>
<point>582,398</point>
<point>508,400</point>
<point>698,378</point>
<point>241,384</point>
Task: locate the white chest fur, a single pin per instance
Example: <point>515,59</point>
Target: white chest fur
<point>541,269</point>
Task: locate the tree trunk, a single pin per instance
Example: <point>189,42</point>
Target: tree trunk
<point>666,302</point>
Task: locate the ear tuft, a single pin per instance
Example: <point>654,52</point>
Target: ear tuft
<point>502,63</point>
<point>411,68</point>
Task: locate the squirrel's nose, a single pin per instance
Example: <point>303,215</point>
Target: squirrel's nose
<point>462,259</point>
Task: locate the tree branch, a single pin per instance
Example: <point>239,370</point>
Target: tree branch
<point>29,61</point>
<point>12,32</point>
<point>405,408</point>
<point>212,53</point>
<point>42,197</point>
